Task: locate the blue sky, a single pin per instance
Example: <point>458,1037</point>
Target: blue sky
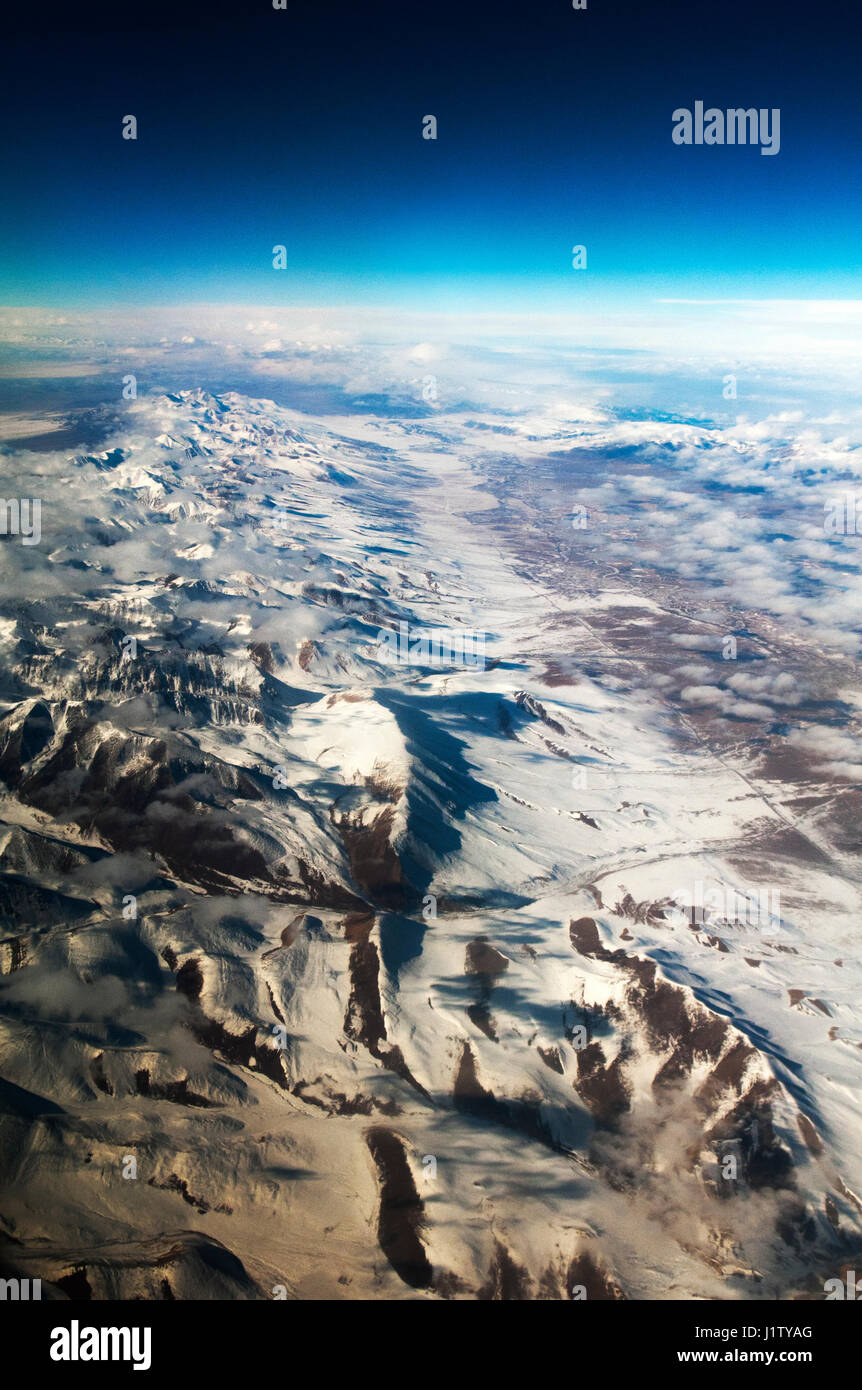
<point>303,127</point>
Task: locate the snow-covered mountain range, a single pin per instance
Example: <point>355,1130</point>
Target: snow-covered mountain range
<point>333,975</point>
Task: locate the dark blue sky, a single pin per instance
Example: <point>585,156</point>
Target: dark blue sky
<point>303,127</point>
